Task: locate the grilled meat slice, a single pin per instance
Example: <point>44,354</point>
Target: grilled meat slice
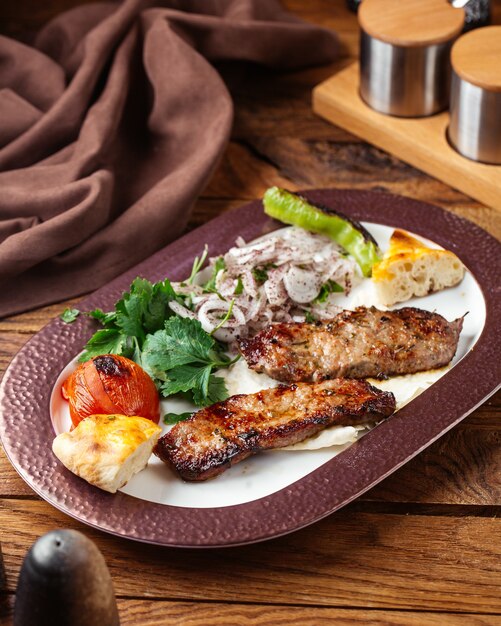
<point>227,432</point>
<point>363,343</point>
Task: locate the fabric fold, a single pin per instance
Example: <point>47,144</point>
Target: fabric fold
<point>122,119</point>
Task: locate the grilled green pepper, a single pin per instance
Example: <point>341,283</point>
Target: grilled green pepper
<point>291,208</point>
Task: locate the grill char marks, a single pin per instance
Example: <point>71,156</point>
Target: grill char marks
<point>354,344</point>
<point>108,365</point>
<point>227,432</point>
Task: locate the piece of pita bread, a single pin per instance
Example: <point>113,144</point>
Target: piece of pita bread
<point>107,450</point>
<point>410,268</point>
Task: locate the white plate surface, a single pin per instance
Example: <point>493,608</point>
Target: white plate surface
<point>269,472</point>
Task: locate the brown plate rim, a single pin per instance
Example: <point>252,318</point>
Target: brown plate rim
<point>27,384</point>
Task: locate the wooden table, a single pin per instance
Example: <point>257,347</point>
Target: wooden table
<point>423,547</point>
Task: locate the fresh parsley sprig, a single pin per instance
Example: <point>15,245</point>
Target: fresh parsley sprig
<point>140,311</point>
<point>182,357</point>
<point>177,352</point>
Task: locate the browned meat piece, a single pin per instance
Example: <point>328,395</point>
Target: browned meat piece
<point>227,432</point>
<point>355,344</point>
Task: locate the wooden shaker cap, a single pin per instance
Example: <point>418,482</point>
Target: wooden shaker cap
<point>476,57</point>
<point>411,23</point>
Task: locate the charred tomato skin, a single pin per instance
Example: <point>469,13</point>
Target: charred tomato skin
<point>110,384</point>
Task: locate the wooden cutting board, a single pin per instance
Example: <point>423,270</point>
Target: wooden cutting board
<point>421,142</point>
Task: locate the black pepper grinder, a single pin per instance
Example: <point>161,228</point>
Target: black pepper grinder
<point>477,12</point>
<point>353,5</point>
<point>64,581</point>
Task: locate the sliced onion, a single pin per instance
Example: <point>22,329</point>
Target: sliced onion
<point>249,283</point>
<point>180,310</point>
<point>274,287</point>
<point>257,254</point>
<point>255,308</point>
<point>227,287</point>
<point>297,263</point>
<point>211,306</point>
<point>226,334</point>
<point>301,285</point>
<point>238,315</point>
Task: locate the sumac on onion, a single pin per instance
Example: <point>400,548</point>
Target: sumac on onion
<point>111,384</point>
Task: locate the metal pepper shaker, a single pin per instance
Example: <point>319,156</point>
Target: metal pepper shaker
<point>405,56</point>
<point>475,111</point>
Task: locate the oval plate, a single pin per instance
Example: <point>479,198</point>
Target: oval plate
<point>26,429</point>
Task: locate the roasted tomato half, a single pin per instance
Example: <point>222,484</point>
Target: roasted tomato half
<point>111,384</point>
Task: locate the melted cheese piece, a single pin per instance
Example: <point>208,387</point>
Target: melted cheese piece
<point>107,450</point>
<point>410,268</point>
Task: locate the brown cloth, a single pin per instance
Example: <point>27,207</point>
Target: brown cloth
<point>110,126</point>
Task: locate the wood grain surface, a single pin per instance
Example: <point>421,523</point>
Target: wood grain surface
<point>423,547</point>
<point>420,141</point>
<point>409,23</point>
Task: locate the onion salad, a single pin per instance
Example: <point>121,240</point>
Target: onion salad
<point>291,275</point>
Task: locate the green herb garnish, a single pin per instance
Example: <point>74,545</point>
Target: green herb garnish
<point>69,315</point>
<point>103,317</point>
<point>174,418</point>
<point>239,289</point>
<point>106,341</point>
<point>260,274</point>
<point>140,311</point>
<point>219,265</point>
<point>225,318</point>
<point>176,352</point>
<point>309,318</point>
<point>197,265</point>
<point>327,288</point>
<point>182,357</point>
